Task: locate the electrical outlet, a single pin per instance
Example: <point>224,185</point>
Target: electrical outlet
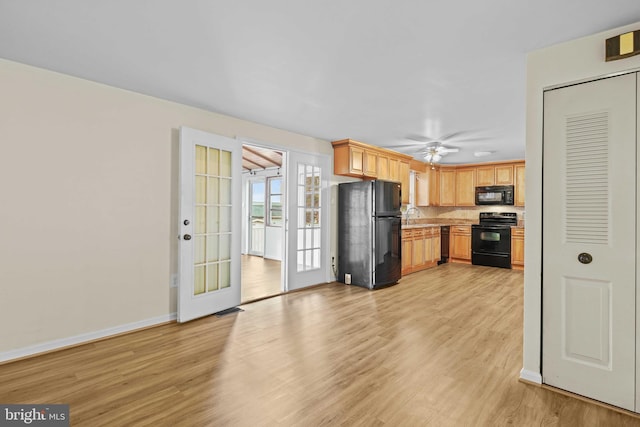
<point>347,279</point>
<point>174,280</point>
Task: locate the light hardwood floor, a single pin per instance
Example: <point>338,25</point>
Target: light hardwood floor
<point>260,278</point>
<point>441,348</point>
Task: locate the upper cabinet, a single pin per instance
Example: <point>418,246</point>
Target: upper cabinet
<point>428,188</point>
<point>360,160</point>
<point>447,187</point>
<point>519,184</point>
<point>466,187</point>
<point>497,174</point>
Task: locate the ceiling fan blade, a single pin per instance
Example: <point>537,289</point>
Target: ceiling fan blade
<point>448,149</point>
<point>454,134</point>
<point>415,144</point>
<point>420,138</point>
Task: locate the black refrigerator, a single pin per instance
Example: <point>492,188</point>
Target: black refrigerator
<point>369,233</point>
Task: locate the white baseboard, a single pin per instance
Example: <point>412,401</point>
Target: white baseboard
<point>531,376</point>
<point>82,338</point>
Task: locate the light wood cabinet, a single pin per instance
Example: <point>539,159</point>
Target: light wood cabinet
<point>407,253</point>
<point>427,188</point>
<point>504,174</point>
<point>404,180</point>
<point>383,167</point>
<point>519,184</point>
<point>485,175</point>
<point>447,187</point>
<point>517,248</point>
<point>501,174</point>
<point>465,187</point>
<point>420,248</point>
<point>370,164</point>
<point>460,243</point>
<point>356,159</point>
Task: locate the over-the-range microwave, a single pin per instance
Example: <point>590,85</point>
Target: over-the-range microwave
<point>494,195</point>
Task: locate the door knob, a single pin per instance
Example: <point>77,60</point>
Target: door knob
<point>585,258</point>
<point>187,237</point>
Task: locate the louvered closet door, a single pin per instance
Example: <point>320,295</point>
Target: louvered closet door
<point>589,207</point>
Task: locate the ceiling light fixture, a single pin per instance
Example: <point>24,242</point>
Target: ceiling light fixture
<point>483,153</point>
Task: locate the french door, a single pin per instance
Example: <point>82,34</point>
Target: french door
<point>210,227</point>
<point>307,219</point>
<point>589,240</point>
<point>257,216</point>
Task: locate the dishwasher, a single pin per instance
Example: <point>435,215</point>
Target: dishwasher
<point>444,244</point>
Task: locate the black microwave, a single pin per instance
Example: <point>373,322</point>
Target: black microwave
<point>494,195</point>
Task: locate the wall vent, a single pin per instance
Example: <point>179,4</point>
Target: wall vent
<point>587,179</point>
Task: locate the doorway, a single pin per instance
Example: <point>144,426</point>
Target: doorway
<point>263,172</point>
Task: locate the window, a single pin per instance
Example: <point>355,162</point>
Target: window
<point>274,218</point>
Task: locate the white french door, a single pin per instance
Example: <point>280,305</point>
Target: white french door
<point>210,223</point>
<point>257,216</point>
<point>307,219</point>
<point>589,240</point>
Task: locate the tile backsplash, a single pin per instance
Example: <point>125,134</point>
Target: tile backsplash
<point>467,213</point>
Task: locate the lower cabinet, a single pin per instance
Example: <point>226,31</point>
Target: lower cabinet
<point>420,248</point>
<point>517,248</point>
<point>460,243</point>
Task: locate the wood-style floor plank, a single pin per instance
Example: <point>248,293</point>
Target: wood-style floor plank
<point>260,278</point>
<point>441,348</point>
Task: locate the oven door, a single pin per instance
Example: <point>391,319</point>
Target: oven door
<point>491,246</point>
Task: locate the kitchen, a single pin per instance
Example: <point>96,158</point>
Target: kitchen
<point>451,213</point>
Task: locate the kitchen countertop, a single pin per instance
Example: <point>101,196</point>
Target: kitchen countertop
<point>435,222</point>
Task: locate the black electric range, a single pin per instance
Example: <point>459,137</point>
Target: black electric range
<point>491,239</point>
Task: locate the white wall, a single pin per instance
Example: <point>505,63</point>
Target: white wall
<point>89,203</point>
<point>560,64</point>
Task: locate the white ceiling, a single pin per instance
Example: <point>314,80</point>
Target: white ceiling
<point>371,70</point>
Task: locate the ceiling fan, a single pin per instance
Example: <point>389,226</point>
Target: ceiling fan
<point>433,149</point>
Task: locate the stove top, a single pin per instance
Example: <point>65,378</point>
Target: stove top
<point>504,219</point>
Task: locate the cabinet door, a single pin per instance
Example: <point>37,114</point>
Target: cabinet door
<point>486,175</point>
<point>394,169</point>
<point>383,167</point>
<point>371,164</point>
<point>418,252</point>
<point>427,188</point>
<point>466,187</point>
<point>519,184</point>
<point>447,187</point>
<point>428,248</point>
<point>356,160</point>
<point>404,180</point>
<point>504,175</point>
<point>461,247</point>
<point>407,255</point>
<point>517,247</point>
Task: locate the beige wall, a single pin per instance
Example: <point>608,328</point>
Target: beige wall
<point>89,202</point>
<point>561,64</point>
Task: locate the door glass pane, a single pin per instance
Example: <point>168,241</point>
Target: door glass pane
<point>225,246</point>
<point>201,220</point>
<point>201,159</point>
<point>213,191</point>
<point>212,248</point>
<point>198,280</point>
<point>225,219</point>
<point>201,190</point>
<point>199,243</point>
<point>212,277</point>
<point>225,163</point>
<point>212,219</point>
<point>214,162</point>
<point>225,191</point>
<point>225,274</point>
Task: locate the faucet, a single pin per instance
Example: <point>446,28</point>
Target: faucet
<point>408,212</point>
